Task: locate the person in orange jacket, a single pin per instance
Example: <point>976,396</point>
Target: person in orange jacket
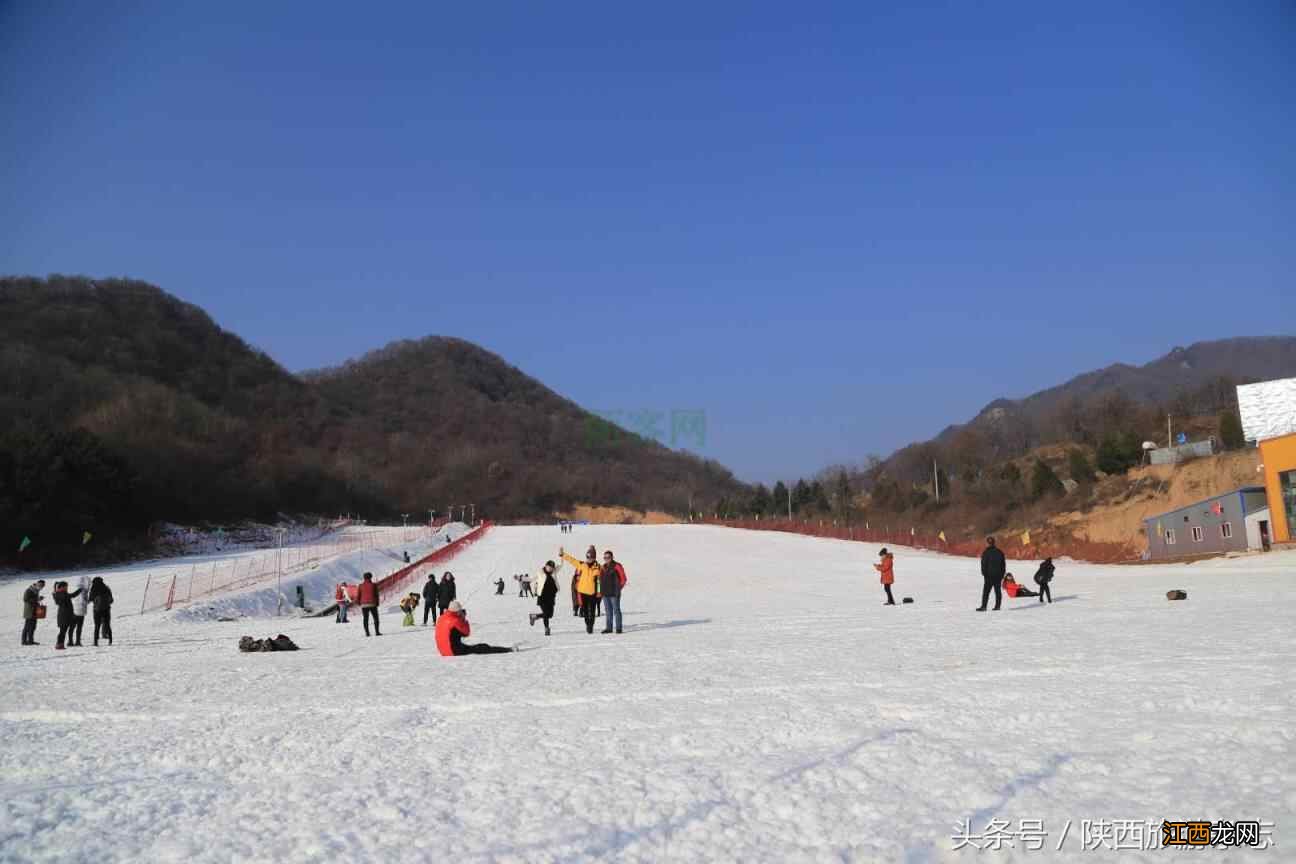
<point>452,627</point>
<point>588,573</point>
<point>886,567</point>
<point>1013,589</point>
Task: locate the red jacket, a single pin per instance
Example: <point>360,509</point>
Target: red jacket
<point>339,595</point>
<point>368,593</point>
<point>447,625</point>
<point>887,569</point>
<point>1011,587</point>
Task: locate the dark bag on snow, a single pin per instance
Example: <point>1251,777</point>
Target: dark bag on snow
<point>278,643</point>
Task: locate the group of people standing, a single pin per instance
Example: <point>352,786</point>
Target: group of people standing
<point>994,574</point>
<point>91,595</point>
<point>594,582</point>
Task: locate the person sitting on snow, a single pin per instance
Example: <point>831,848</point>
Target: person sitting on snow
<point>450,630</point>
<point>1013,589</point>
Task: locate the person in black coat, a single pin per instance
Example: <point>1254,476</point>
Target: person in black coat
<point>101,600</point>
<point>31,599</point>
<point>548,593</point>
<point>430,594</point>
<point>446,591</point>
<point>1043,576</point>
<point>66,615</point>
<point>993,567</point>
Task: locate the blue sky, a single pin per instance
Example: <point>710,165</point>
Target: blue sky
<point>836,228</point>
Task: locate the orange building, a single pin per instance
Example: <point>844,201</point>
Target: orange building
<point>1279,458</point>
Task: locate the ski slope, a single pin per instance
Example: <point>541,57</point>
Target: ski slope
<point>761,706</point>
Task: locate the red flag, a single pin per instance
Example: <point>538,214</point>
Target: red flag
<point>1217,508</point>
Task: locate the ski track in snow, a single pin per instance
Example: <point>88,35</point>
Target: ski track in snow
<point>762,706</point>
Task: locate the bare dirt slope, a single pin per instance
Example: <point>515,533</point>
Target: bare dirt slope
<point>1122,503</point>
<point>617,516</point>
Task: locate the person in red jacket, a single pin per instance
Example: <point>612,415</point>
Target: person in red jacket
<point>1013,589</point>
<point>887,570</point>
<point>368,597</point>
<point>452,627</point>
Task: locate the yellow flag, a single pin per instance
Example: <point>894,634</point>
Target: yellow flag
<point>85,538</point>
<point>1026,537</point>
<point>942,536</point>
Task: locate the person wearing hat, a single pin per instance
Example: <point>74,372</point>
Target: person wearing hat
<point>452,627</point>
<point>588,573</point>
<point>993,567</point>
<point>548,593</point>
<point>886,567</point>
<point>31,600</point>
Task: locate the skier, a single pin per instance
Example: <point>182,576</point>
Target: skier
<point>430,598</point>
<point>79,612</point>
<point>1043,578</point>
<point>451,629</point>
<point>63,600</point>
<point>611,581</point>
<point>545,599</point>
<point>368,597</point>
<point>993,566</point>
<point>446,591</point>
<point>101,600</point>
<point>587,583</point>
<point>31,601</point>
<point>1013,588</point>
<point>887,568</point>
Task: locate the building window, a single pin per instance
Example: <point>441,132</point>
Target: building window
<point>1198,534</point>
<point>1169,537</point>
<point>1226,530</point>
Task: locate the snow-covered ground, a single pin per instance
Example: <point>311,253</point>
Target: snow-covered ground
<point>761,706</point>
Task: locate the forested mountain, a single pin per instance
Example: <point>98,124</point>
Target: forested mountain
<point>121,405</point>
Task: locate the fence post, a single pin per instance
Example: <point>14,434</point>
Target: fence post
<point>171,592</point>
<point>144,599</point>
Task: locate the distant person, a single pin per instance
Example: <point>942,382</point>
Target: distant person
<point>31,603</point>
<point>430,598</point>
<point>451,630</point>
<point>446,592</point>
<point>368,597</point>
<point>993,567</point>
<point>587,579</point>
<point>886,567</point>
<point>406,557</point>
<point>499,587</point>
<point>1013,588</point>
<point>545,599</point>
<point>63,600</point>
<point>612,581</point>
<point>343,603</point>
<point>79,612</point>
<point>101,600</point>
<point>526,585</point>
<point>1044,578</point>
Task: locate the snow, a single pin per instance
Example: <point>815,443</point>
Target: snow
<point>762,706</point>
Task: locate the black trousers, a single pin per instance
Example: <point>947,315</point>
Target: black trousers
<point>890,599</point>
<point>998,592</point>
<point>589,605</point>
<point>366,612</point>
<point>429,608</point>
<point>1045,591</point>
<point>482,648</point>
<point>1023,591</point>
<point>63,631</point>
<point>74,632</point>
<point>103,626</point>
<point>29,631</point>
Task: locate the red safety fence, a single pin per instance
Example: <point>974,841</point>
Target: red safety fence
<point>417,569</point>
<point>925,538</point>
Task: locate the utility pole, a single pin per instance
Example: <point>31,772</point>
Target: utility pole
<point>1169,432</point>
<point>473,514</point>
<point>936,479</point>
<point>789,491</point>
<point>279,572</point>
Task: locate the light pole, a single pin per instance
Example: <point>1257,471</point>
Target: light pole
<point>473,515</point>
<point>279,572</point>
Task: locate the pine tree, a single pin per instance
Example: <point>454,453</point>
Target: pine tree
<point>1230,430</point>
<point>1044,481</point>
